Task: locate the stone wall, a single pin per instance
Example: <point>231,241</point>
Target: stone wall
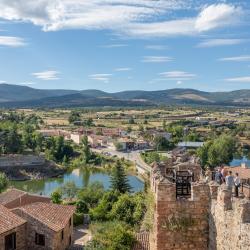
<point>229,221</point>
<point>20,238</point>
<point>180,224</point>
<point>60,244</point>
<point>53,240</point>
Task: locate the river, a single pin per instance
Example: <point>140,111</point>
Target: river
<point>82,177</point>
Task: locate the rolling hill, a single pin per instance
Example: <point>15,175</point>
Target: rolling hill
<point>16,96</point>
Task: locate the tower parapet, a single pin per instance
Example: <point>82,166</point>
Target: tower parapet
<point>181,207</point>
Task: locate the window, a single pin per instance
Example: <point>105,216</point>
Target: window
<point>62,235</point>
<point>69,240</point>
<point>10,241</point>
<point>40,239</point>
<point>70,222</point>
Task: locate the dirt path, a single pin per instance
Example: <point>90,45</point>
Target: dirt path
<point>81,236</point>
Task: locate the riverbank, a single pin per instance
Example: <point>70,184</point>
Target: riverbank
<point>29,167</point>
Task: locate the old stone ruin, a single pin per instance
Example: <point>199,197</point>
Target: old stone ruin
<point>192,212</point>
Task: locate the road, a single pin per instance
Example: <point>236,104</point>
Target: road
<point>133,156</point>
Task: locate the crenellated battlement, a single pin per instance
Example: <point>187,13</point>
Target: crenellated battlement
<point>181,206</point>
<point>205,216</point>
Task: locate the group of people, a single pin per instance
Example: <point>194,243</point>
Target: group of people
<point>224,176</point>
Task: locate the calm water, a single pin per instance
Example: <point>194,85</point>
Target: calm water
<point>237,162</point>
<point>82,177</point>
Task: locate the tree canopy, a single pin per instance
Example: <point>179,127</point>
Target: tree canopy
<point>217,152</point>
<point>119,180</point>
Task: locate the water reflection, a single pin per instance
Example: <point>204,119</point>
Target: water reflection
<point>82,177</point>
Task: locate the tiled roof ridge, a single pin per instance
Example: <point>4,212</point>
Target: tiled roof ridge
<point>42,218</point>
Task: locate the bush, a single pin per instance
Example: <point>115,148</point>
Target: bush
<point>113,235</point>
<point>78,219</point>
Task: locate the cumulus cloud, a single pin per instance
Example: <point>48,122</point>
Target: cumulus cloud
<point>12,41</point>
<point>47,75</point>
<point>156,59</point>
<point>140,18</point>
<point>218,15</point>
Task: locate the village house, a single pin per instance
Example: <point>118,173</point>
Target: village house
<point>14,198</point>
<point>49,226</point>
<point>76,137</point>
<point>129,144</point>
<point>97,141</point>
<point>32,222</point>
<point>110,132</point>
<point>12,230</point>
<point>155,133</point>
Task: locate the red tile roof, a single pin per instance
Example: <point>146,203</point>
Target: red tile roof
<point>56,217</point>
<point>13,198</point>
<point>9,220</point>
<point>10,195</point>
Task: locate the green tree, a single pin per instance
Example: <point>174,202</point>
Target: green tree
<point>69,190</point>
<point>86,153</point>
<point>92,194</point>
<point>161,143</point>
<point>56,197</point>
<point>81,207</point>
<point>119,180</point>
<point>3,182</point>
<point>217,152</point>
<point>74,116</point>
<point>118,146</point>
<point>128,208</point>
<point>101,212</point>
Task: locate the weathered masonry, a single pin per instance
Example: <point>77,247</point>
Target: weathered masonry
<point>191,213</point>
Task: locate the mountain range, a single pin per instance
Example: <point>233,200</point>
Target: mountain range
<point>16,96</point>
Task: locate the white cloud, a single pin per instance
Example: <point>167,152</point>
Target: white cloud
<point>123,69</point>
<point>140,18</point>
<point>47,75</point>
<point>179,82</point>
<point>110,46</point>
<point>2,82</point>
<point>27,83</point>
<point>243,58</point>
<point>162,29</point>
<point>218,15</point>
<point>243,79</point>
<point>177,75</point>
<point>156,47</point>
<point>156,59</point>
<point>12,41</point>
<point>220,42</point>
<point>101,77</point>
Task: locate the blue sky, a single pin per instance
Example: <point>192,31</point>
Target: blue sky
<point>116,45</point>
